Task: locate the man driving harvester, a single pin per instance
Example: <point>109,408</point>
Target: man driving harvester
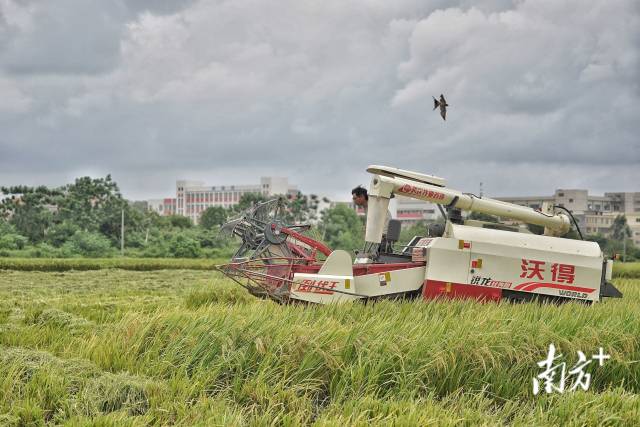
<point>360,198</point>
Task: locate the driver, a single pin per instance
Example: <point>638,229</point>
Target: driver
<point>360,198</point>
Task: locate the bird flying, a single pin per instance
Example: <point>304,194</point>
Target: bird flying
<point>443,106</point>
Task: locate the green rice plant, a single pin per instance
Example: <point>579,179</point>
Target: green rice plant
<point>215,295</point>
<point>622,270</point>
<point>186,347</point>
<point>629,270</point>
<point>5,312</point>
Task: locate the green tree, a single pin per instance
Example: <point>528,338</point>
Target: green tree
<point>421,228</point>
<point>184,246</point>
<point>155,244</point>
<point>213,217</point>
<point>139,205</point>
<point>248,200</point>
<point>12,240</point>
<point>59,233</point>
<point>600,239</point>
<point>88,244</point>
<point>84,201</point>
<point>29,209</point>
<point>155,220</point>
<point>213,239</point>
<point>620,229</point>
<point>301,208</point>
<point>96,205</point>
<point>180,221</point>
<point>44,250</point>
<point>342,228</point>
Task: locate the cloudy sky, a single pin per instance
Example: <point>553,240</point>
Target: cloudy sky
<point>543,94</point>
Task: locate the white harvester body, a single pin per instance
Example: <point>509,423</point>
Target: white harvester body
<point>461,261</point>
<point>493,261</point>
<point>466,261</point>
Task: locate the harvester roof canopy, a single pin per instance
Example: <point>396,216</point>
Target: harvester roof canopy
<point>402,173</point>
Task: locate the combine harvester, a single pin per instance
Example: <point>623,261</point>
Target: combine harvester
<point>479,261</point>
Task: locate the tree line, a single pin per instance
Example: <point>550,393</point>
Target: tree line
<point>83,219</point>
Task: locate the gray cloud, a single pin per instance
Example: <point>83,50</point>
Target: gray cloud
<point>542,93</point>
<point>62,37</point>
<point>158,7</point>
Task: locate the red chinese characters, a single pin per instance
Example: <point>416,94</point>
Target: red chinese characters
<point>563,273</point>
<point>560,273</point>
<point>317,286</point>
<point>410,189</point>
<point>532,268</point>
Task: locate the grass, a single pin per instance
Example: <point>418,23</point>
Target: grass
<point>187,347</point>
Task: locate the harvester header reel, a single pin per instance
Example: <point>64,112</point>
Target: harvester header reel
<point>269,249</point>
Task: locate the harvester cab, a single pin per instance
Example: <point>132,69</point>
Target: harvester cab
<point>278,261</point>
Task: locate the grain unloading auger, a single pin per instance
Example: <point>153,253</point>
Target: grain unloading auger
<point>277,261</point>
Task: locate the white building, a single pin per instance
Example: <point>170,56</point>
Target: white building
<point>193,197</point>
<point>594,214</point>
<point>411,211</point>
<point>405,209</point>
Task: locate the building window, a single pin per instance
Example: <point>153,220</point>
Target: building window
<point>560,194</point>
<point>570,200</point>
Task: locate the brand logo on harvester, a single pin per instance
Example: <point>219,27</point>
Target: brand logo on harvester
<point>410,189</point>
<point>572,294</point>
<point>487,281</point>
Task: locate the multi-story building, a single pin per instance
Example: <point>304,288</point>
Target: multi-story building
<point>594,214</point>
<point>193,197</point>
<point>411,211</point>
<point>166,206</point>
<point>405,209</point>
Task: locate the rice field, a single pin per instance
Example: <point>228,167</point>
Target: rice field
<point>188,347</point>
<point>84,264</point>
